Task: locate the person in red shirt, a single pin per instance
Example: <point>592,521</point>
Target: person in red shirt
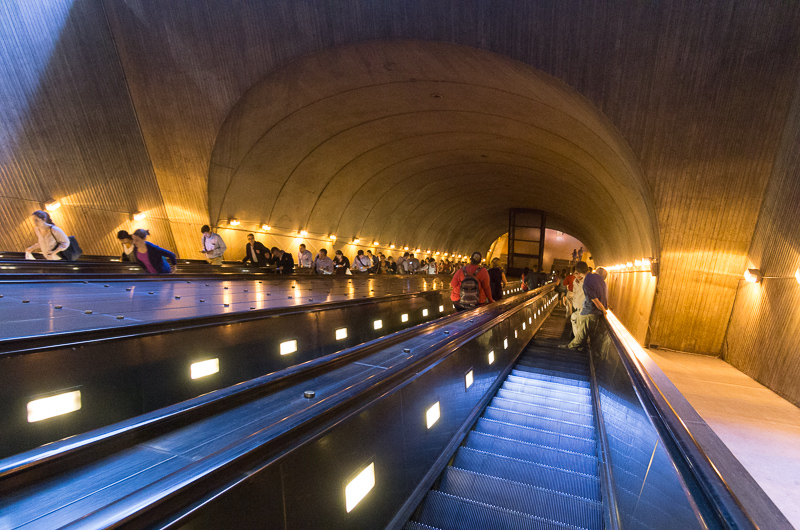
<point>474,268</point>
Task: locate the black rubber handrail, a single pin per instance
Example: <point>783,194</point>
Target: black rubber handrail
<point>722,500</point>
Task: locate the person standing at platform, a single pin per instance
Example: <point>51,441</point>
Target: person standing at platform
<point>127,246</point>
<point>256,252</point>
<point>50,239</point>
<point>595,306</point>
<point>470,285</point>
<point>284,262</point>
<point>213,246</point>
<point>304,258</point>
<point>323,264</point>
<point>152,258</point>
<point>497,279</point>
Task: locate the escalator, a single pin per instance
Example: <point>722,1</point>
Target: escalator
<point>530,461</point>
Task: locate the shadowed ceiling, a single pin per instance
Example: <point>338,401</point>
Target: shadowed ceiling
<point>427,145</point>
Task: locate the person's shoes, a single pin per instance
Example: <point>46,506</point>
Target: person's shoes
<point>565,347</point>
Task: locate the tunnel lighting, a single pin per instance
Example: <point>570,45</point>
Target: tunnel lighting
<point>445,254</point>
<point>646,262</point>
<point>523,326</point>
<point>468,380</point>
<point>332,237</point>
<point>405,248</point>
<point>424,312</point>
<point>515,334</point>
<point>266,228</point>
<point>341,333</point>
<point>530,321</point>
<point>49,407</point>
<point>233,222</point>
<point>637,262</point>
<point>629,265</point>
<point>505,343</point>
<point>138,216</point>
<point>433,414</point>
<point>290,346</point>
<point>797,275</point>
<point>418,251</point>
<point>303,233</point>
<point>753,275</point>
<point>404,317</point>
<point>441,307</point>
<point>52,205</point>
<point>391,246</point>
<point>375,243</point>
<point>491,357</point>
<point>356,241</point>
<point>437,253</point>
<point>204,368</point>
<point>358,488</point>
<point>378,324</point>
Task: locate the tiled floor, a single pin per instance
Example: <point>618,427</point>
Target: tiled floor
<point>759,427</point>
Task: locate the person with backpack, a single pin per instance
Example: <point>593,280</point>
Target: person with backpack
<point>50,239</point>
<point>470,285</point>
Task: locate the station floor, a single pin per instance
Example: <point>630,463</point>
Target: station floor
<point>33,308</point>
<point>759,427</point>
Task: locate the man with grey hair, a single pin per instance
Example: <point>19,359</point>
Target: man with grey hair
<point>595,305</point>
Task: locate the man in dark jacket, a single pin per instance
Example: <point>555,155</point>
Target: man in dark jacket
<point>284,262</point>
<point>256,252</point>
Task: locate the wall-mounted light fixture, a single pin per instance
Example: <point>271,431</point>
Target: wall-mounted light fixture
<point>304,233</point>
<point>266,227</point>
<point>753,275</point>
<point>52,205</point>
<point>139,216</point>
<point>234,222</point>
<point>797,275</point>
<point>332,237</point>
<point>391,246</point>
<point>356,241</point>
<point>375,243</point>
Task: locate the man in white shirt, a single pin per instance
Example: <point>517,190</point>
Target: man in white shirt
<point>323,264</point>
<point>304,258</point>
<point>213,246</point>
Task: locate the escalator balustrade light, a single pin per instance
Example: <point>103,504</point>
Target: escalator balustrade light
<point>204,368</point>
<point>341,333</point>
<point>753,275</point>
<point>530,320</point>
<point>378,324</point>
<point>491,357</point>
<point>404,317</point>
<point>49,407</point>
<point>432,415</point>
<point>441,307</point>
<point>797,275</point>
<point>468,380</point>
<point>523,326</point>
<point>515,334</point>
<point>289,346</point>
<point>424,312</point>
<point>505,343</point>
<point>358,488</point>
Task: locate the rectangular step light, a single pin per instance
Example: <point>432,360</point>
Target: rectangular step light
<point>341,333</point>
<point>530,320</point>
<point>441,307</point>
<point>491,357</point>
<point>505,343</point>
<point>515,334</point>
<point>378,324</point>
<point>433,414</point>
<point>49,407</point>
<point>404,317</point>
<point>523,326</point>
<point>290,346</point>
<point>204,368</point>
<point>424,312</point>
<point>468,380</point>
<point>358,488</point>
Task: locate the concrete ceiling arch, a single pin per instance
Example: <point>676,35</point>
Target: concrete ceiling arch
<point>430,144</point>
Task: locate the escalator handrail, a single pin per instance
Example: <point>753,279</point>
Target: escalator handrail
<point>718,492</point>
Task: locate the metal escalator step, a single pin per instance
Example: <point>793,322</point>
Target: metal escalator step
<point>570,482</point>
<point>553,368</point>
<point>559,362</point>
<point>413,525</point>
<point>536,436</point>
<point>534,421</point>
<point>566,400</point>
<point>555,353</point>
<point>542,454</point>
<point>524,498</point>
<point>454,513</point>
<point>548,408</point>
<point>534,378</point>
<point>535,386</point>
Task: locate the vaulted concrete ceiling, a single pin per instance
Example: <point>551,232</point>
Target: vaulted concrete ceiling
<point>426,144</point>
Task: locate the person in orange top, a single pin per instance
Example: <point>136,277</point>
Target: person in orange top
<point>474,269</point>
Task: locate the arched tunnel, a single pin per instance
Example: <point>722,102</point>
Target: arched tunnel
<point>663,133</point>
